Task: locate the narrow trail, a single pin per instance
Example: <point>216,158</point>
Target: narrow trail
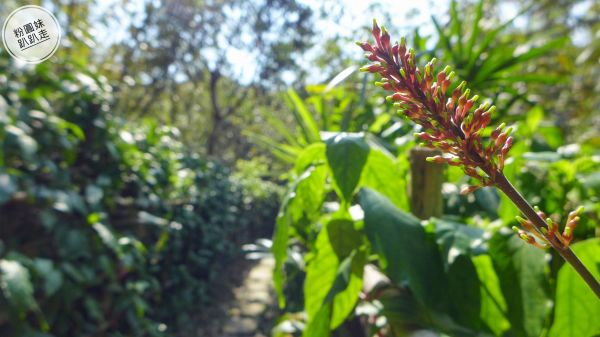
<point>247,307</point>
<point>251,313</point>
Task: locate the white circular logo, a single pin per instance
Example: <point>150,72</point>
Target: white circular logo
<point>31,34</point>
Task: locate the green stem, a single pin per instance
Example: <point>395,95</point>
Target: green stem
<point>505,186</point>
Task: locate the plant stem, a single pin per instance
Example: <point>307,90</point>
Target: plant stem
<point>505,186</point>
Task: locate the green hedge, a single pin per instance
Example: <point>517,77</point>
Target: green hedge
<point>107,229</point>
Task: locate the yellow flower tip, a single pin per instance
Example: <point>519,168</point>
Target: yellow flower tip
<point>516,229</point>
<point>568,232</point>
<point>544,230</point>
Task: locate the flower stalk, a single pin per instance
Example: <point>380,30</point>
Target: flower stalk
<point>455,125</point>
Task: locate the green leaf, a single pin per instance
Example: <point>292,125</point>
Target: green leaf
<point>474,30</point>
<point>403,249</point>
<point>320,275</point>
<point>319,325</point>
<point>456,26</point>
<point>300,207</point>
<point>344,238</point>
<point>351,282</point>
<point>488,200</point>
<point>524,283</point>
<point>52,276</point>
<point>457,244</point>
<point>304,117</point>
<point>577,308</point>
<point>445,41</point>
<point>383,174</point>
<point>314,154</point>
<point>493,305</point>
<point>464,294</point>
<point>534,117</point>
<point>335,273</point>
<point>15,284</point>
<point>347,155</point>
<point>455,239</point>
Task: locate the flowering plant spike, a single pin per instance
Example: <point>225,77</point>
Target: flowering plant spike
<point>452,123</point>
<point>449,123</point>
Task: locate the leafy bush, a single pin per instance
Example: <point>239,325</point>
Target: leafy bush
<point>346,208</point>
<point>346,215</point>
<point>106,228</point>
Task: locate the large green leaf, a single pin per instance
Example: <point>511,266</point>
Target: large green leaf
<point>577,308</point>
<point>458,243</point>
<point>314,154</point>
<point>455,239</point>
<point>300,207</point>
<point>347,154</point>
<point>347,287</point>
<point>319,325</point>
<point>403,249</point>
<point>320,274</point>
<point>334,275</point>
<point>493,306</point>
<point>15,284</point>
<point>524,283</point>
<point>464,294</point>
<point>383,174</point>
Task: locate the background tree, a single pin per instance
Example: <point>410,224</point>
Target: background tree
<point>201,61</point>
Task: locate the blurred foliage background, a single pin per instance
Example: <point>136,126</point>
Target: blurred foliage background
<point>164,134</point>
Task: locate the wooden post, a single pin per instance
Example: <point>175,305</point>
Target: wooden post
<point>426,183</point>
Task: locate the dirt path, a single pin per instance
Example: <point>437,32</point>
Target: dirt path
<point>252,311</point>
<point>246,307</point>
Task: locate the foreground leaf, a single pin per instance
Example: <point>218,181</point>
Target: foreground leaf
<point>524,283</point>
<point>577,309</point>
<point>404,252</point>
<point>334,276</point>
<point>347,155</point>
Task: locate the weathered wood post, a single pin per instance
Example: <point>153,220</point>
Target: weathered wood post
<point>426,183</point>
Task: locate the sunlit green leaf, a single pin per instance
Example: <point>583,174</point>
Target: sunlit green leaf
<point>524,283</point>
<point>493,305</point>
<point>347,155</point>
<point>577,308</point>
<point>383,174</point>
<point>403,249</point>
